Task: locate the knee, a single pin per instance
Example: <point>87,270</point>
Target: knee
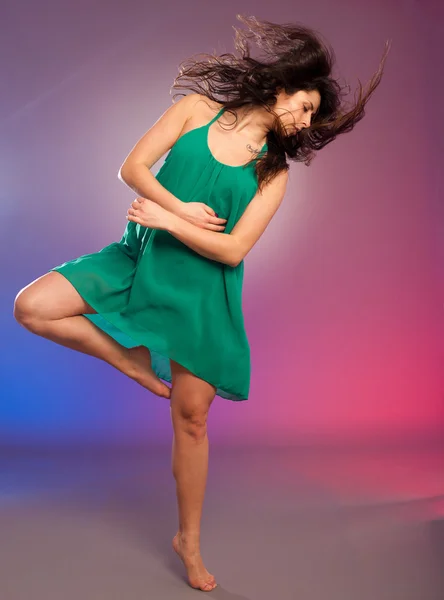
<point>193,423</point>
<point>24,312</point>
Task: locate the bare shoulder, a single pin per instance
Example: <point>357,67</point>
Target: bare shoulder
<point>201,110</point>
<point>196,98</point>
<point>273,191</point>
<point>268,200</point>
<point>190,111</point>
<point>279,181</point>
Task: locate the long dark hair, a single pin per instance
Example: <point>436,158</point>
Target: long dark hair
<point>295,59</point>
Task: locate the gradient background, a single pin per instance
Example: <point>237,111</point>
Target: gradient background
<point>343,295</point>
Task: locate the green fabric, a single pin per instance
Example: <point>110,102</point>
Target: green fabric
<point>151,289</point>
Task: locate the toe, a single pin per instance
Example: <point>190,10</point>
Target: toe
<point>211,584</point>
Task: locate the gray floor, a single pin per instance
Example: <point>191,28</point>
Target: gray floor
<point>279,523</point>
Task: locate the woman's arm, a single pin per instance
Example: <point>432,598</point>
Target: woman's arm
<point>161,137</point>
<point>139,178</point>
<point>136,169</point>
<point>258,215</point>
<point>228,248</point>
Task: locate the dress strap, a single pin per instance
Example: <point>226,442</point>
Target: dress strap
<point>264,148</point>
<point>217,116</point>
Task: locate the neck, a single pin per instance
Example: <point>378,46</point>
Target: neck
<point>253,122</point>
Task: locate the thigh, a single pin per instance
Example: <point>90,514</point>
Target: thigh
<point>190,395</point>
<point>50,296</point>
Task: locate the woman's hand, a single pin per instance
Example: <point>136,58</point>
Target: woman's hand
<point>201,215</point>
<point>148,213</point>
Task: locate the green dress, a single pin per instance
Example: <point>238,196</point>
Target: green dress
<point>150,289</point>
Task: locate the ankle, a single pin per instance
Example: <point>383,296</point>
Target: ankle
<point>189,536</point>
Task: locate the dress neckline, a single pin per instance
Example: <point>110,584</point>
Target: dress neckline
<point>219,114</point>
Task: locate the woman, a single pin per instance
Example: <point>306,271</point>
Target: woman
<point>164,303</point>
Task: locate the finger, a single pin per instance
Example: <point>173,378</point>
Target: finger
<point>131,211</point>
<point>217,220</point>
<point>214,227</point>
<point>209,210</point>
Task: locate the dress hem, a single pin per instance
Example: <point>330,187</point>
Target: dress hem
<point>160,373</point>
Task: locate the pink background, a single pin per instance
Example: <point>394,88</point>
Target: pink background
<point>343,294</point>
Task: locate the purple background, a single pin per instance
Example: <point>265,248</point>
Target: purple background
<point>343,294</point>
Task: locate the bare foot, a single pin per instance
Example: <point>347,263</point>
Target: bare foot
<point>140,370</point>
<point>198,576</point>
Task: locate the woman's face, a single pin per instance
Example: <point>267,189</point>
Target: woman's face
<point>297,110</point>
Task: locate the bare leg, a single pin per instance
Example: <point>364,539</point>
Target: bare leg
<point>51,307</point>
<point>191,399</point>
